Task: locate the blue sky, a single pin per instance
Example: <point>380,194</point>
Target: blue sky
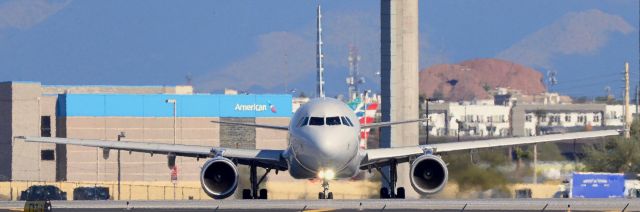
<point>267,46</point>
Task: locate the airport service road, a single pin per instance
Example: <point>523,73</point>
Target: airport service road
<point>348,205</point>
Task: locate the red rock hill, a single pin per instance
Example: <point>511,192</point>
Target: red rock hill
<point>470,79</point>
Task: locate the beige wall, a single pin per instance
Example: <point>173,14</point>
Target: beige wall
<point>82,162</point>
<point>27,104</point>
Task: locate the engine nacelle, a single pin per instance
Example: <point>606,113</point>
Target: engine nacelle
<point>219,178</point>
<point>429,174</point>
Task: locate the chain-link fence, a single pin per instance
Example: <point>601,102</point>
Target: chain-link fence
<point>154,190</point>
<point>128,191</point>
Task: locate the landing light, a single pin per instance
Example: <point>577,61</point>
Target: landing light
<point>326,174</point>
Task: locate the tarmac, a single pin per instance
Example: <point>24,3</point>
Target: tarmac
<point>345,205</point>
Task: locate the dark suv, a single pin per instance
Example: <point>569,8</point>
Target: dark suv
<point>43,193</point>
<point>91,193</point>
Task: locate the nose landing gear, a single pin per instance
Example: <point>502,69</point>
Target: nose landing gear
<point>325,194</point>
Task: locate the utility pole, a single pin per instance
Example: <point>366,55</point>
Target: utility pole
<point>627,113</point>
<point>535,164</point>
<point>120,136</point>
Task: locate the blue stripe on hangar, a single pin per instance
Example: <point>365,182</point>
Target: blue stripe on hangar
<point>155,105</point>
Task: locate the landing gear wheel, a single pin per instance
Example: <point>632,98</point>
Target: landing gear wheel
<point>400,193</point>
<point>263,194</point>
<point>255,192</point>
<point>391,181</point>
<point>325,194</point>
<point>384,193</point>
<point>246,194</point>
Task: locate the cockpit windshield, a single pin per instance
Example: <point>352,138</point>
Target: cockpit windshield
<point>335,120</point>
<point>345,121</point>
<point>320,121</point>
<point>317,121</point>
<point>303,122</point>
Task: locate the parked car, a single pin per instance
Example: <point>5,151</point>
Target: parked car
<point>43,193</point>
<point>523,193</point>
<point>91,193</point>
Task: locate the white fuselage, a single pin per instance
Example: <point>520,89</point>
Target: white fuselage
<point>324,135</point>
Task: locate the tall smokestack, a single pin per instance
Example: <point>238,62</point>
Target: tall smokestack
<point>319,55</point>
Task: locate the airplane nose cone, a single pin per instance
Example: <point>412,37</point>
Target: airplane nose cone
<point>330,146</point>
<point>332,150</point>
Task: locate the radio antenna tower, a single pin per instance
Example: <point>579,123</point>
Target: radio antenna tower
<point>319,55</point>
<point>552,80</point>
<point>354,79</point>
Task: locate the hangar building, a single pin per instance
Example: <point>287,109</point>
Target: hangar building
<point>143,113</point>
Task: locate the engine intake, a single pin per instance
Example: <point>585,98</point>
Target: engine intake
<point>428,174</point>
<point>219,178</point>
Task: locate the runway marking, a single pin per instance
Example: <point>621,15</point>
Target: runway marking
<point>320,210</point>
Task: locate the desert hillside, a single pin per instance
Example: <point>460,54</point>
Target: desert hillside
<point>473,78</point>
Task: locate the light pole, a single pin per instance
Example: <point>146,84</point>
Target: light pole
<point>459,126</point>
<point>426,116</point>
<point>175,103</point>
<point>120,136</point>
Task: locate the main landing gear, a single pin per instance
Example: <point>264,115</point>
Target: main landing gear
<point>325,194</point>
<point>391,193</point>
<point>255,184</point>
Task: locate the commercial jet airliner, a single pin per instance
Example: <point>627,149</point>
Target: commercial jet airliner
<point>323,144</point>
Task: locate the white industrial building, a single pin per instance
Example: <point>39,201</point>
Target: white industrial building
<point>485,120</point>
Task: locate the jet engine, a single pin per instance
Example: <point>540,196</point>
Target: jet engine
<point>219,178</point>
<point>428,174</point>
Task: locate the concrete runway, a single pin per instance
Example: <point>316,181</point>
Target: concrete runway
<point>347,205</point>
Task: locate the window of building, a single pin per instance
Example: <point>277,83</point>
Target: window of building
<point>543,118</point>
<point>596,118</point>
<point>335,120</point>
<point>582,118</point>
<point>528,118</point>
<point>567,118</point>
<point>45,126</point>
<point>47,154</point>
<point>317,121</point>
<point>489,118</point>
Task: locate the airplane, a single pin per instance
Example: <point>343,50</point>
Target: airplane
<point>323,143</point>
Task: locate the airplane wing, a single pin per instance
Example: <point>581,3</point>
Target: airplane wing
<point>273,127</point>
<point>385,124</point>
<point>381,157</point>
<point>264,158</point>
